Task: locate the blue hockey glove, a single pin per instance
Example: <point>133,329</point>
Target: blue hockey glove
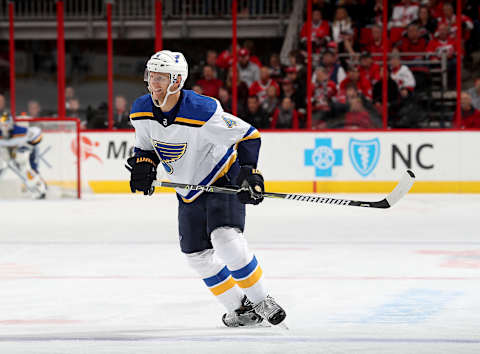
<point>250,181</point>
<point>143,173</point>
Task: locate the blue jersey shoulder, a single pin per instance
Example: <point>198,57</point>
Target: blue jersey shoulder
<point>196,107</point>
<point>143,104</point>
<point>18,131</point>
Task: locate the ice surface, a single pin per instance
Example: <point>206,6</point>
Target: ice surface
<point>105,275</point>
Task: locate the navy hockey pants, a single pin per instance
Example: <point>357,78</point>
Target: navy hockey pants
<point>197,220</point>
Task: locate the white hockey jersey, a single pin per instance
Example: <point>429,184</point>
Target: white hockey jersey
<point>403,77</point>
<point>196,142</point>
<point>20,136</point>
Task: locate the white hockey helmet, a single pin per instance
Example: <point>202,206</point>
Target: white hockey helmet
<point>168,62</point>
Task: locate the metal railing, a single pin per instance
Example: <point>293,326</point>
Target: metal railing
<point>436,66</point>
<point>145,9</point>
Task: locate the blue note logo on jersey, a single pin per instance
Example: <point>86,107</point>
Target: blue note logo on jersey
<point>323,157</point>
<point>229,122</point>
<point>169,153</point>
<point>364,155</point>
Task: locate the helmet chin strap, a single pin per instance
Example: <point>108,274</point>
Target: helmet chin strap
<point>156,102</point>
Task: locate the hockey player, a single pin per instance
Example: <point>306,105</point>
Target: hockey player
<point>196,142</point>
<point>19,154</point>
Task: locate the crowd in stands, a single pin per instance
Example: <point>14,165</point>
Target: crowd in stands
<point>347,69</point>
<point>347,76</point>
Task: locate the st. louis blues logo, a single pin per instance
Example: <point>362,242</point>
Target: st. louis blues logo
<point>364,155</point>
<point>169,153</point>
<point>229,121</point>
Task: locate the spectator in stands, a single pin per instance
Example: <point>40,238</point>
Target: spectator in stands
<point>470,117</point>
<point>242,89</point>
<point>121,118</point>
<point>255,114</point>
<point>224,59</point>
<point>347,45</point>
<point>404,13</point>
<point>427,25</point>
<point>408,113</point>
<point>34,109</point>
<point>369,70</point>
<point>449,18</point>
<point>435,8</point>
<point>250,46</point>
<point>197,89</point>
<point>3,105</point>
<point>326,7</point>
<point>97,118</point>
<point>474,93</point>
<point>377,14</point>
<point>335,71</point>
<point>209,83</point>
<point>247,71</point>
<point>360,82</point>
<point>358,117</point>
<point>375,45</point>
<point>276,67</point>
<point>225,100</point>
<point>442,43</point>
<point>69,92</point>
<point>211,59</point>
<point>393,95</point>
<point>259,88</point>
<point>288,90</point>
<point>341,24</point>
<point>73,110</point>
<point>271,101</point>
<point>298,86</point>
<point>403,77</point>
<point>69,95</point>
<point>324,91</point>
<point>320,31</point>
<point>285,116</point>
<point>359,113</point>
<point>295,59</point>
<point>412,43</point>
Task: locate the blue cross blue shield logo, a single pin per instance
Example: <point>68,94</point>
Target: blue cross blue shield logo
<point>364,155</point>
<point>323,157</point>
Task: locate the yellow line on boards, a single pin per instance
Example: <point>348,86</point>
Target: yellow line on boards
<point>321,187</point>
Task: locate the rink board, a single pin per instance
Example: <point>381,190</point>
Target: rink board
<point>345,162</point>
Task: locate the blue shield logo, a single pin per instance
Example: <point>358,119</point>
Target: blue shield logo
<point>364,155</point>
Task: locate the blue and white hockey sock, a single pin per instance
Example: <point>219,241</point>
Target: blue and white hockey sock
<point>232,248</point>
<point>217,277</point>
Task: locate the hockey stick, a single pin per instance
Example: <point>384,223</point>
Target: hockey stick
<point>398,192</point>
<point>19,174</point>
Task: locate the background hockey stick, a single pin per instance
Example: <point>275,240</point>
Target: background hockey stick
<point>400,190</point>
<point>15,170</point>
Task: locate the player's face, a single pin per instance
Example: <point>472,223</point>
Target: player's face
<point>158,83</point>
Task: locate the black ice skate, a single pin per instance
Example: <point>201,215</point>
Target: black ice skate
<point>270,310</point>
<point>243,316</point>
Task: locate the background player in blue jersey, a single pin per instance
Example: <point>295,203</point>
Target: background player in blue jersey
<point>196,142</point>
<point>18,154</point>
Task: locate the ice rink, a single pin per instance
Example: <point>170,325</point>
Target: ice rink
<point>105,275</point>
